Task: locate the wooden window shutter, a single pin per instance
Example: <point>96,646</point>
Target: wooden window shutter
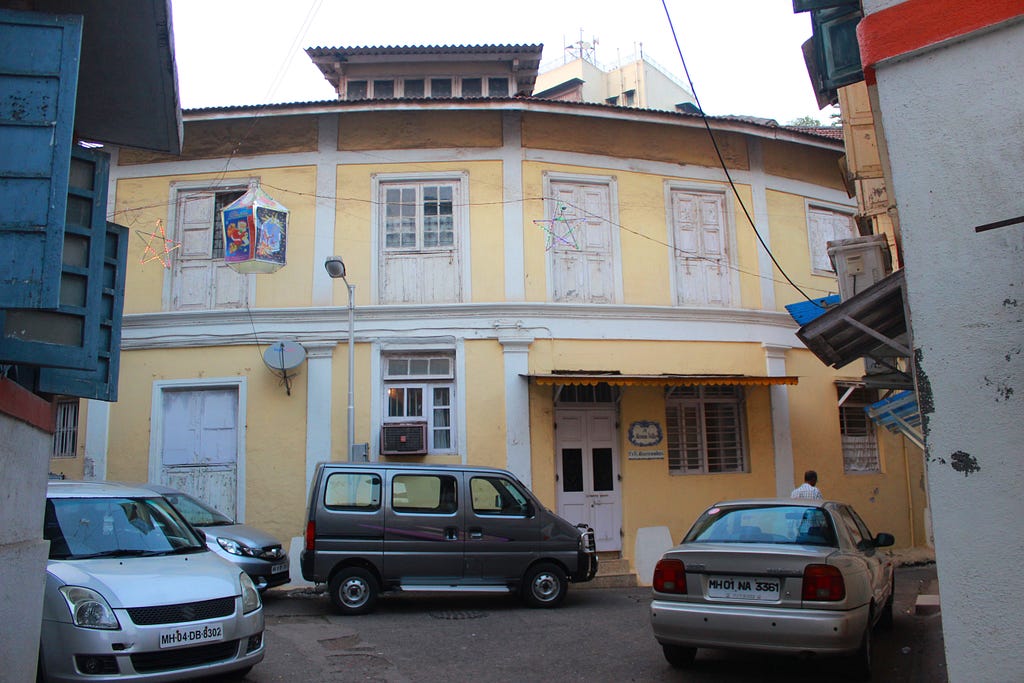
<point>38,85</point>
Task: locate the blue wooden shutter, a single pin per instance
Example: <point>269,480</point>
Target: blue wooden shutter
<point>70,336</point>
<point>39,56</point>
<point>100,383</point>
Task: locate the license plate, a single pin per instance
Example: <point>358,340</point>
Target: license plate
<point>279,567</point>
<point>743,588</point>
<point>190,635</point>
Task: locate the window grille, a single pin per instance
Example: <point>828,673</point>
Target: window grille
<point>65,438</point>
<point>704,429</point>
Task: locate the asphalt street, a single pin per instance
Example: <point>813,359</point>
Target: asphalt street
<point>597,635</point>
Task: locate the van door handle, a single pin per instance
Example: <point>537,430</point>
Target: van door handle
<point>476,533</point>
<point>451,533</point>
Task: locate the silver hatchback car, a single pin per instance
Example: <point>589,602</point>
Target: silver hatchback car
<point>132,593</point>
<point>774,575</point>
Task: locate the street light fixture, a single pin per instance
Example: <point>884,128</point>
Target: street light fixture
<point>336,268</point>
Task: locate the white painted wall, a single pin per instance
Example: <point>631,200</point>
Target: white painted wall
<point>24,459</point>
<point>954,122</point>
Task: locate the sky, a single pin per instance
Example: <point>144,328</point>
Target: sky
<point>743,56</point>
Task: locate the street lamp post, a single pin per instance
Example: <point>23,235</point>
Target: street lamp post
<point>336,268</point>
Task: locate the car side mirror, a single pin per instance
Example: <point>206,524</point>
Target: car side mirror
<point>884,540</point>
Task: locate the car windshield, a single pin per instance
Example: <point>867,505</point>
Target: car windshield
<point>81,528</point>
<point>783,524</point>
<point>196,512</point>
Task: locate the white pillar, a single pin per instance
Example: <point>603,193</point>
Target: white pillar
<point>319,369</point>
<point>97,438</point>
<point>782,437</point>
<point>512,185</point>
<point>759,192</point>
<point>325,214</point>
<point>516,348</point>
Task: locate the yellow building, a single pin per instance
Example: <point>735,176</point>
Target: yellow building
<point>590,296</point>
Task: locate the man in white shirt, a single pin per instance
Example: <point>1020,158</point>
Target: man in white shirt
<point>809,488</point>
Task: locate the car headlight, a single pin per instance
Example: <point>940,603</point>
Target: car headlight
<point>250,596</point>
<point>235,548</point>
<point>89,609</point>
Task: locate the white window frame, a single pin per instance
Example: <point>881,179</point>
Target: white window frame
<point>380,181</point>
<point>65,435</point>
<point>860,451</point>
<point>700,402</point>
<point>397,346</point>
<point>156,421</point>
<point>425,383</point>
<point>820,262</point>
<point>399,85</point>
<point>729,228</point>
<point>178,189</point>
<point>611,182</point>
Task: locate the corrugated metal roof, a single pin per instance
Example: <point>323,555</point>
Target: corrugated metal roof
<point>518,102</point>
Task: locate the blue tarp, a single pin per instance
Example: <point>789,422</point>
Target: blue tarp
<point>806,311</point>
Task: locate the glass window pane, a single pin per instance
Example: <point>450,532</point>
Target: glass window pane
<point>497,87</point>
<point>572,469</point>
<point>357,491</point>
<point>418,366</point>
<point>440,87</point>
<point>396,402</point>
<point>356,90</point>
<point>472,87</point>
<point>440,367</point>
<point>82,174</point>
<point>604,477</point>
<point>414,402</point>
<point>414,87</point>
<point>398,367</point>
<point>442,397</point>
<point>383,89</point>
<point>424,493</point>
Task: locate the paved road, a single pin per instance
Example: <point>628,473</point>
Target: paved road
<point>598,635</point>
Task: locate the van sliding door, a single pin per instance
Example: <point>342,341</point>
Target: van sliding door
<point>423,529</point>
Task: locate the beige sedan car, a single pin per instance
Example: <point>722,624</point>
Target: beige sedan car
<point>802,577</point>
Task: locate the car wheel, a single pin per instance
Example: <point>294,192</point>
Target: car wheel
<point>885,619</point>
<point>678,656</point>
<point>544,585</point>
<point>353,590</point>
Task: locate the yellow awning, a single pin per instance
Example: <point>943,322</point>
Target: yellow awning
<point>657,380</point>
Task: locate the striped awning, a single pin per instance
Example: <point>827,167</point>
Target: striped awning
<point>616,378</point>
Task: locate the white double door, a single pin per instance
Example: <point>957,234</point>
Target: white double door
<point>589,489</point>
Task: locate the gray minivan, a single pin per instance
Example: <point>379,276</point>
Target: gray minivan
<point>380,527</point>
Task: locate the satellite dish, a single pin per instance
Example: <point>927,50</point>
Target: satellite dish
<point>282,356</point>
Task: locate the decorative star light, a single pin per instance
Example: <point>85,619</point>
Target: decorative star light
<point>151,253</point>
<point>560,229</point>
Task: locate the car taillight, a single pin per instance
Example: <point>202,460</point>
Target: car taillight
<point>670,576</point>
<point>823,582</point>
<point>310,534</point>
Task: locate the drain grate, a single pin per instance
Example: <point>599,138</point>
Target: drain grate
<point>458,614</point>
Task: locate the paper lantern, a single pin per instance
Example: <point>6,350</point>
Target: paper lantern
<point>255,233</point>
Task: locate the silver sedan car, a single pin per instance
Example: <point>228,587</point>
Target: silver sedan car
<point>132,593</point>
<point>774,575</point>
<point>257,552</point>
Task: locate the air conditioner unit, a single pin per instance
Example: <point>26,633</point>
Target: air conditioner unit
<point>403,438</point>
<point>859,263</point>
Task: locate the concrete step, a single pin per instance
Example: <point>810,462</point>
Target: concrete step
<point>612,572</point>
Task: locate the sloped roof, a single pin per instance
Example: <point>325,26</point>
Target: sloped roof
<point>751,125</point>
<point>527,57</point>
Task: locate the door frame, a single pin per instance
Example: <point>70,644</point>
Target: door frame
<point>156,432</point>
<point>612,411</point>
